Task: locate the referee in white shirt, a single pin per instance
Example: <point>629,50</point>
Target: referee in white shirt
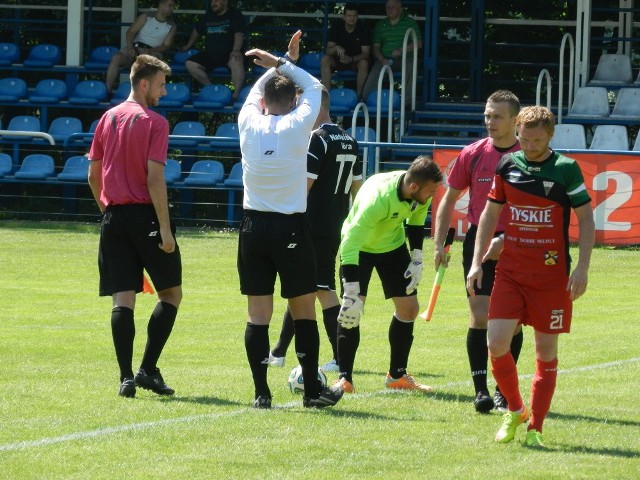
<point>274,234</point>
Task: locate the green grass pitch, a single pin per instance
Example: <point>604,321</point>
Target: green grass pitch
<point>61,418</point>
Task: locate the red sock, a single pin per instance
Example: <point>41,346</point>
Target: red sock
<point>506,375</point>
<point>542,389</point>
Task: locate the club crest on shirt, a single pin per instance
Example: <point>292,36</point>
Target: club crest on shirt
<point>547,187</point>
<point>551,257</point>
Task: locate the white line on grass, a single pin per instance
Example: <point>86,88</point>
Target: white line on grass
<point>197,418</point>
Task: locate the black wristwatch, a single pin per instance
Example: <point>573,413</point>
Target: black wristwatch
<point>281,62</point>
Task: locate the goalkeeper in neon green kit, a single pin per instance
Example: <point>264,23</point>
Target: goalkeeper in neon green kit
<point>373,236</point>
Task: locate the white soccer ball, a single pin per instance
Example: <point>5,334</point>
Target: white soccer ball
<point>296,380</point>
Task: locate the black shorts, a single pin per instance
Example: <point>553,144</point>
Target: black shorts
<point>390,267</point>
<point>129,239</point>
<point>273,244</point>
<point>488,267</point>
<point>209,61</point>
<point>326,253</point>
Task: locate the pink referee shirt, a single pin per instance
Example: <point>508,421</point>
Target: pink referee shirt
<point>126,137</point>
<point>474,169</point>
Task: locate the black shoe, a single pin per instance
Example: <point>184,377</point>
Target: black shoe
<point>483,402</point>
<point>262,401</point>
<point>153,382</point>
<point>128,388</point>
<point>500,402</point>
<point>328,397</point>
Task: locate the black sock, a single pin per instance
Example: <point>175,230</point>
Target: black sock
<point>330,319</point>
<point>478,357</point>
<point>256,343</point>
<point>307,344</point>
<point>348,342</point>
<point>286,335</point>
<point>400,340</point>
<point>123,330</point>
<point>516,345</point>
<point>158,331</point>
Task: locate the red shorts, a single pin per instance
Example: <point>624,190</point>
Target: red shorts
<point>537,301</point>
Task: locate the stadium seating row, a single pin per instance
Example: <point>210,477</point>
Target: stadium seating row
<point>572,136</point>
<point>41,167</point>
<point>591,105</point>
<point>614,70</point>
<point>68,130</point>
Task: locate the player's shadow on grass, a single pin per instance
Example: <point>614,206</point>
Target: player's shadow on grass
<point>451,397</point>
<point>202,400</point>
<point>586,418</point>
<point>343,411</point>
<point>611,452</point>
<point>417,374</point>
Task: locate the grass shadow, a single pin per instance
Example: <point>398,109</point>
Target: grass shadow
<point>586,418</point>
<point>204,400</point>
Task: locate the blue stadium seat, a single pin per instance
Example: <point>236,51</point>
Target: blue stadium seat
<point>627,106</point>
<point>613,69</point>
<point>227,130</point>
<point>100,57</point>
<point>22,123</point>
<point>569,136</point>
<point>43,55</point>
<point>237,104</point>
<point>49,90</point>
<point>178,95</point>
<point>89,92</point>
<point>12,89</point>
<point>6,164</point>
<point>172,171</point>
<point>9,54</point>
<point>205,173</point>
<point>213,96</point>
<point>311,62</point>
<point>62,127</point>
<point>75,169</point>
<point>372,100</point>
<point>121,93</point>
<point>590,103</point>
<point>235,176</point>
<point>36,166</point>
<point>177,62</point>
<point>610,137</point>
<point>342,100</point>
<point>193,129</point>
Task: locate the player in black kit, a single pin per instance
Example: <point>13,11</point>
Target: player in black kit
<point>334,175</point>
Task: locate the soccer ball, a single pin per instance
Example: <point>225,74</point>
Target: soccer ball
<point>296,380</point>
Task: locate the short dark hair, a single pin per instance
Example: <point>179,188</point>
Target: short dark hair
<point>423,169</point>
<point>279,90</point>
<point>146,67</point>
<point>349,6</point>
<point>506,96</point>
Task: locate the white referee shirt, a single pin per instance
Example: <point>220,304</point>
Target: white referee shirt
<point>274,147</point>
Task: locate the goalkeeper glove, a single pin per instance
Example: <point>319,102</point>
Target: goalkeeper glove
<point>352,306</point>
<point>414,270</point>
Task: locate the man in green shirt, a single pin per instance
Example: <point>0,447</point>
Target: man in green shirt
<point>373,236</point>
<point>388,39</point>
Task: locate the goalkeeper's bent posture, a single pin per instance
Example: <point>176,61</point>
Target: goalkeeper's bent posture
<point>373,235</point>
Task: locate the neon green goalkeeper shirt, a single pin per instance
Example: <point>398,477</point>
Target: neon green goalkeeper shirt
<point>375,223</point>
